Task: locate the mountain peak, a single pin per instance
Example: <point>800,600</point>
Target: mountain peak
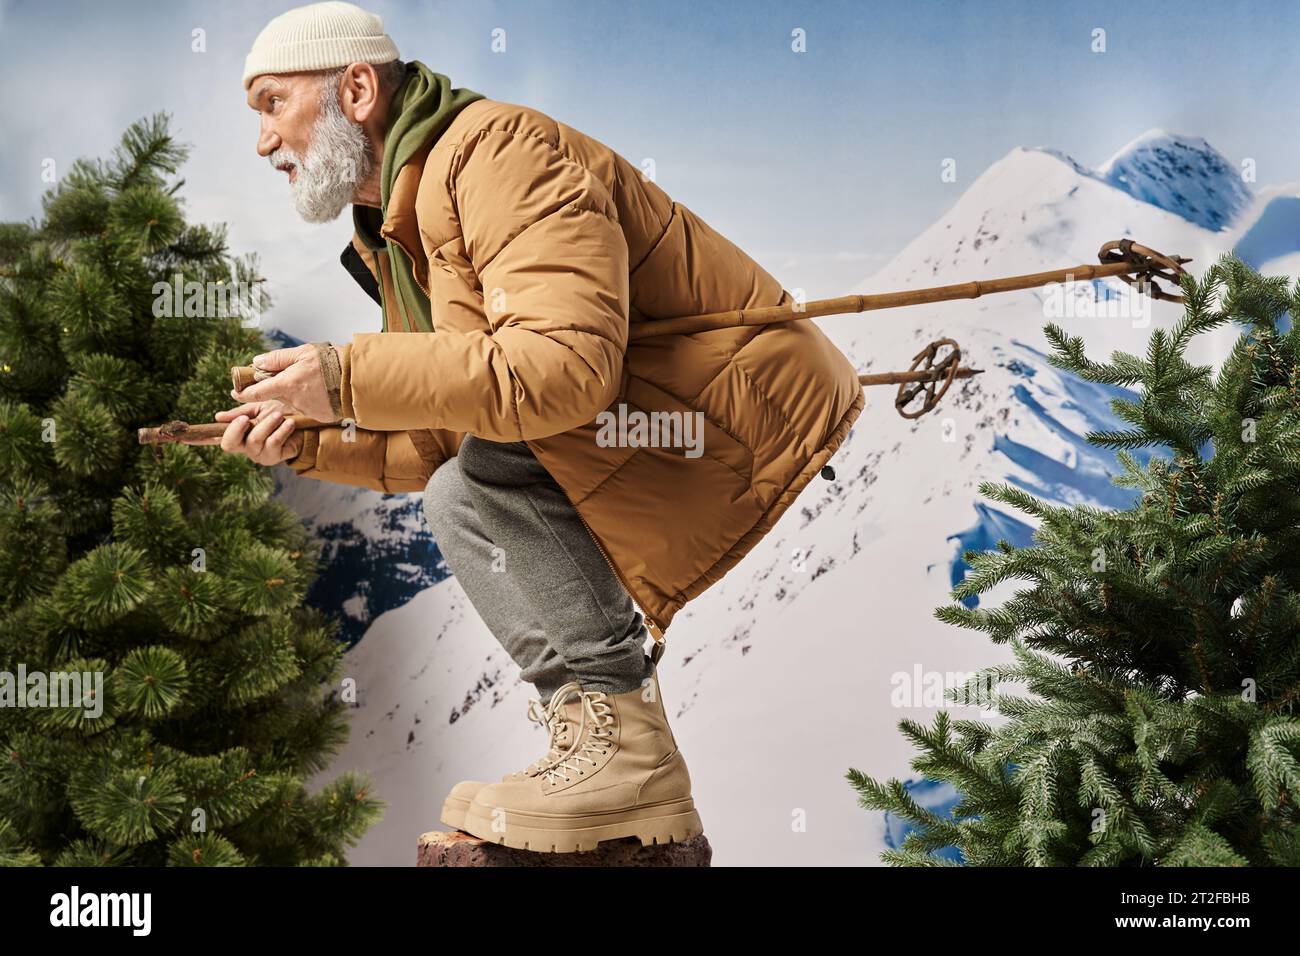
<point>1157,138</point>
<point>1182,174</point>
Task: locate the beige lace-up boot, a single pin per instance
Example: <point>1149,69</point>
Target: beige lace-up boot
<point>622,776</point>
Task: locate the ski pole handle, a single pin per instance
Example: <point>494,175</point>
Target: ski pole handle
<point>242,376</point>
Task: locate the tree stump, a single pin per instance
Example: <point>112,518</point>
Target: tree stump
<point>454,848</point>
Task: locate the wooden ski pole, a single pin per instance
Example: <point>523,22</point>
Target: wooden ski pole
<point>1122,258</point>
<point>179,431</point>
<point>909,378</point>
<point>1136,264</point>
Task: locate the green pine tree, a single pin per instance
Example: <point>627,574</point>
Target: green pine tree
<point>1160,644</point>
<point>168,571</point>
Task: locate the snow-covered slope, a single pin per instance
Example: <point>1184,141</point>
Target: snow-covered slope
<point>1270,240</point>
<point>801,662</point>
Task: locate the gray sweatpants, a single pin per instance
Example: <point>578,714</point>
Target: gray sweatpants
<point>532,571</point>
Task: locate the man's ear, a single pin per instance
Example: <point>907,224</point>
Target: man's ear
<point>359,93</point>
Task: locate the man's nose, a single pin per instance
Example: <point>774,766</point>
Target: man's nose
<point>267,142</point>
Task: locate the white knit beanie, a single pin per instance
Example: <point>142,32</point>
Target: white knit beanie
<point>319,36</point>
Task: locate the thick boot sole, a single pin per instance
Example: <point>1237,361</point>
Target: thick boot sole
<point>454,810</point>
<point>673,821</point>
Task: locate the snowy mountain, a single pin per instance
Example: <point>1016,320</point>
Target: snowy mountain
<point>801,662</point>
<point>378,551</point>
<point>1181,174</point>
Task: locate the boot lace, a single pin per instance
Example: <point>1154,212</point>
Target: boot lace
<point>594,738</point>
<point>551,716</point>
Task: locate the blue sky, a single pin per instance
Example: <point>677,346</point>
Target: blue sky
<point>822,164</point>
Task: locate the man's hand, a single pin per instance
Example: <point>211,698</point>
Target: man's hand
<point>298,381</point>
<point>261,431</point>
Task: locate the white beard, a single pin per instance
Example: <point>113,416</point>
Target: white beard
<point>338,159</point>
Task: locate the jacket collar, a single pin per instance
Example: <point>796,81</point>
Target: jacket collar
<point>400,224</point>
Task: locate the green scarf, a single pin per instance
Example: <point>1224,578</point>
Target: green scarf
<point>423,107</point>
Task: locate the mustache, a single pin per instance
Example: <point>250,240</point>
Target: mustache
<point>284,157</point>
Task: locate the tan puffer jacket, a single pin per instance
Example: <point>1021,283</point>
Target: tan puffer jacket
<point>538,246</point>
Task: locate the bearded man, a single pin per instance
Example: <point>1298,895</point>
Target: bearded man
<point>511,255</point>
